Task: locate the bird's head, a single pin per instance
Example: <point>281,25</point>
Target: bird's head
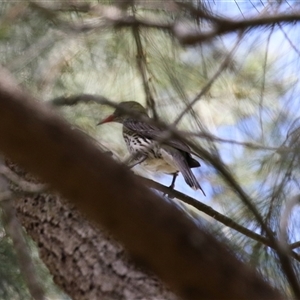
<point>125,110</point>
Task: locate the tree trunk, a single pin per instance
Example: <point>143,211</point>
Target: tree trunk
<point>84,260</point>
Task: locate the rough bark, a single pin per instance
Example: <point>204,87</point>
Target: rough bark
<point>85,261</point>
<point>191,261</point>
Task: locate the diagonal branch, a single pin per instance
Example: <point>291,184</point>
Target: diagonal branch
<point>216,215</point>
<point>190,260</point>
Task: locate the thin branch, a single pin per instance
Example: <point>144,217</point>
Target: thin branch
<point>208,85</point>
<point>142,67</point>
<point>213,214</point>
<point>288,39</point>
<point>82,98</point>
<point>87,98</point>
<point>295,245</point>
<point>214,138</point>
<point>262,91</point>
<point>207,210</point>
<point>24,185</point>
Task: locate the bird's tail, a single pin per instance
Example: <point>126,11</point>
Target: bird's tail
<point>188,175</point>
<point>191,180</point>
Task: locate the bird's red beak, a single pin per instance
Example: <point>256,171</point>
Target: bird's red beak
<point>107,120</point>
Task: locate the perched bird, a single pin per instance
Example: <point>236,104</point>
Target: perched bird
<point>142,140</point>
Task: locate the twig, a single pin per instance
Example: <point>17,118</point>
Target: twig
<point>295,245</point>
<point>24,185</point>
<point>82,98</point>
<point>262,91</point>
<point>87,98</point>
<point>211,137</point>
<point>142,67</point>
<point>206,88</point>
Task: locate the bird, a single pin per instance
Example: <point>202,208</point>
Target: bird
<point>142,140</point>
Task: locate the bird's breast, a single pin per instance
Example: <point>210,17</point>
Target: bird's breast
<point>158,165</point>
<point>157,160</point>
<point>141,145</point>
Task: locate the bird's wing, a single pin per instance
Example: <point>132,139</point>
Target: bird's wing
<point>154,132</point>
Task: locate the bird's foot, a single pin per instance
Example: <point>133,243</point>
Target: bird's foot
<point>167,194</point>
<point>171,187</point>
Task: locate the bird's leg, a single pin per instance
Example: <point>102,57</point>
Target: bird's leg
<point>171,187</point>
<point>173,181</point>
